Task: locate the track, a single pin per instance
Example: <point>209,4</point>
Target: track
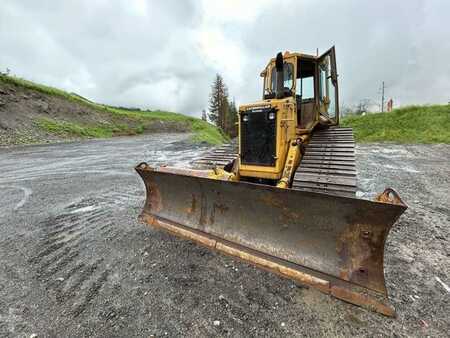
<point>328,165</point>
<point>219,156</point>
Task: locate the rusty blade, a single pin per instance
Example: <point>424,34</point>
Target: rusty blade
<point>335,236</point>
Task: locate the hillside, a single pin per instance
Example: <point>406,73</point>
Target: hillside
<point>34,113</point>
<point>413,124</point>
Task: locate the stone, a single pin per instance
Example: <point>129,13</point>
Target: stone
<point>43,106</point>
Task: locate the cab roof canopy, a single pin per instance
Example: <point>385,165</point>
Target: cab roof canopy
<point>308,67</point>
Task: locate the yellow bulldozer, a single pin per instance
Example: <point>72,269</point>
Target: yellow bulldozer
<point>284,198</point>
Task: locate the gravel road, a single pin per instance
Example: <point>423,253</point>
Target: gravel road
<point>75,262</point>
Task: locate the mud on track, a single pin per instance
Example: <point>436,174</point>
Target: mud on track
<point>75,262</point>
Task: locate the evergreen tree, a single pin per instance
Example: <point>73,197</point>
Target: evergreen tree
<point>232,118</point>
<point>218,103</point>
<point>222,112</point>
<point>204,118</point>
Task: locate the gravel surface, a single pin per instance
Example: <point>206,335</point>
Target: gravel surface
<point>75,262</point>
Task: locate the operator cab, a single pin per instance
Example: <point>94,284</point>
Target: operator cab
<point>310,80</point>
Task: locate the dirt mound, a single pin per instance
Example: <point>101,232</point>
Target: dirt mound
<point>30,116</point>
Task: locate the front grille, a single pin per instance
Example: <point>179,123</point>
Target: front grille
<point>258,137</point>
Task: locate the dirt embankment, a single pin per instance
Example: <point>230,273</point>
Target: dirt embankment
<point>29,116</point>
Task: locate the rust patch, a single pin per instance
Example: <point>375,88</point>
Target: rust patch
<point>178,231</point>
<point>275,267</point>
<point>390,196</point>
<point>146,218</point>
<point>368,302</point>
<point>286,213</point>
<point>203,211</point>
<point>183,171</point>
<point>153,202</point>
<point>217,206</point>
<point>193,206</point>
<point>221,207</point>
<point>361,251</point>
<point>270,200</point>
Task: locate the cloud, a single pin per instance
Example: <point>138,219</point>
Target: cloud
<point>164,54</point>
<point>400,43</point>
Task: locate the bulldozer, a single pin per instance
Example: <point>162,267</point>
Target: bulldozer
<point>283,197</point>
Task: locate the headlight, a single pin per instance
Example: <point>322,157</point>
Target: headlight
<point>272,116</point>
<point>245,118</point>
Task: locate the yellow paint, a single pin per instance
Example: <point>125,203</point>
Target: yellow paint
<point>291,164</point>
<point>286,121</point>
<point>289,137</point>
<point>220,174</point>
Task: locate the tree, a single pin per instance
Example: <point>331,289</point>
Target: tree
<point>222,112</point>
<point>204,117</point>
<point>232,118</point>
<point>218,103</point>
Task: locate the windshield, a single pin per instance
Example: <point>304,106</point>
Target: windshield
<point>288,77</point>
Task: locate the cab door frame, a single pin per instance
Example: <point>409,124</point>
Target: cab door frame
<point>334,81</point>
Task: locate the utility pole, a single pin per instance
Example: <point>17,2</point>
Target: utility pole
<point>381,91</point>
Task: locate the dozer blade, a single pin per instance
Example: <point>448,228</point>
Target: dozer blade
<point>333,243</point>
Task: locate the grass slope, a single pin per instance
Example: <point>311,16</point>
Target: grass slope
<point>203,131</point>
<point>413,124</point>
<point>76,129</point>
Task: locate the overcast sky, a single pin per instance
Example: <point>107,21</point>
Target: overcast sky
<point>164,54</point>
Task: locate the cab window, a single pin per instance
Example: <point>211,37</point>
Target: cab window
<point>305,87</point>
<point>273,79</point>
<point>288,76</point>
<point>327,90</point>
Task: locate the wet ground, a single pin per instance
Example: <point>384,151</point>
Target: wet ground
<point>74,261</point>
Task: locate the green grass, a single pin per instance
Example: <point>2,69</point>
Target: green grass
<point>64,128</point>
<point>134,121</point>
<point>205,132</point>
<point>42,88</point>
<point>413,124</point>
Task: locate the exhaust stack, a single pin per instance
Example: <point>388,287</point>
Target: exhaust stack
<point>279,66</point>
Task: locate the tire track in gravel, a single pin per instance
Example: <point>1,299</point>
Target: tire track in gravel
<point>91,293</point>
<point>72,273</point>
